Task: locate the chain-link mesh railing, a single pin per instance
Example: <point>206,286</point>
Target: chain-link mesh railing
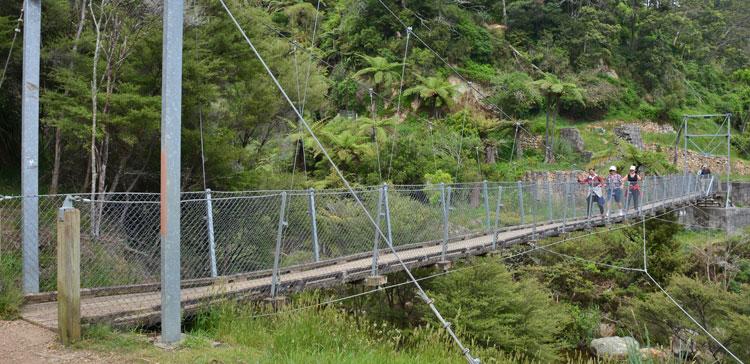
<point>266,242</point>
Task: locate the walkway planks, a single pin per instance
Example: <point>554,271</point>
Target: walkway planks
<point>142,308</point>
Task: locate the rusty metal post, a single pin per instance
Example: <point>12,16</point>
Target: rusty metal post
<point>30,143</point>
<point>171,120</point>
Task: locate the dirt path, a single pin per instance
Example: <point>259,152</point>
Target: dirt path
<point>24,343</point>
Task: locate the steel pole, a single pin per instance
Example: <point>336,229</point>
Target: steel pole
<point>30,143</point>
<point>387,215</point>
<point>314,222</point>
<point>376,238</point>
<point>277,251</point>
<point>519,186</point>
<point>729,160</point>
<point>485,194</point>
<point>565,206</point>
<point>534,196</point>
<point>497,216</point>
<point>444,204</point>
<point>549,202</point>
<point>210,226</point>
<point>171,120</point>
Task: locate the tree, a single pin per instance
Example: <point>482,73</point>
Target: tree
<point>381,72</point>
<point>553,90</point>
<point>486,303</point>
<point>723,313</point>
<point>435,91</point>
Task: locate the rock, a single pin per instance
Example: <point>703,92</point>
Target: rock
<point>630,133</point>
<point>683,343</point>
<point>654,354</point>
<point>606,329</point>
<point>586,156</point>
<point>573,136</point>
<point>613,346</point>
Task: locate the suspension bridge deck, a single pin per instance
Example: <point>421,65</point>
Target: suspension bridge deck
<point>140,304</point>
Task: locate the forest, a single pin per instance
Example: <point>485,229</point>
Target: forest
<point>405,92</point>
<point>521,61</point>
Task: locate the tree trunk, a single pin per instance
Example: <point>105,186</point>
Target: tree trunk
<point>58,134</point>
<point>505,14</point>
<point>94,95</point>
<point>552,132</point>
<point>56,163</point>
<point>490,151</point>
<point>677,145</point>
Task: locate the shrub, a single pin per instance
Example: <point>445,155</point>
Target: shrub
<point>488,305</point>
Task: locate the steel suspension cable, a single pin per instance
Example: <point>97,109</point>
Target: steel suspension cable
<point>309,61</point>
<point>446,325</point>
<point>451,67</point>
<point>375,135</point>
<point>455,270</point>
<point>16,30</point>
<point>713,338</point>
<point>398,101</point>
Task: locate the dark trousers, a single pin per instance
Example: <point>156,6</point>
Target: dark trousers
<point>590,200</point>
<point>635,196</point>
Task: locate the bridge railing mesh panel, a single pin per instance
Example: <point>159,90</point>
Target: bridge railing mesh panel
<point>232,237</point>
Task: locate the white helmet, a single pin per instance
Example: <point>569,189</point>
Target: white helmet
<point>613,168</point>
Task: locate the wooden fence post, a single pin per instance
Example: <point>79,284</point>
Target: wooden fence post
<point>69,273</point>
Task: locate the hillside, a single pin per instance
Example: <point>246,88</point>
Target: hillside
<point>612,60</point>
<point>401,92</point>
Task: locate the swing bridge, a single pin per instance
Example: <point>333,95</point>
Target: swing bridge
<point>267,244</point>
<point>129,259</point>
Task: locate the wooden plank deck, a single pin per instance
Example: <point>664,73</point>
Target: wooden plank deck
<point>141,305</point>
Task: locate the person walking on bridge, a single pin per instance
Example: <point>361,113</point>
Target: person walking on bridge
<point>614,190</point>
<point>634,189</point>
<point>595,193</point>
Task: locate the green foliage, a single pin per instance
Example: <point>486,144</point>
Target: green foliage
<point>662,249</point>
<point>487,304</point>
<point>380,72</point>
<point>514,94</point>
<point>11,296</point>
<point>435,91</point>
<point>725,314</point>
<point>648,161</point>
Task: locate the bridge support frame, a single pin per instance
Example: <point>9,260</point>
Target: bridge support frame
<point>445,196</point>
<point>534,197</point>
<point>519,187</point>
<point>210,228</point>
<point>498,206</point>
<point>383,211</point>
<point>550,214</point>
<point>30,143</point>
<point>277,252</point>
<point>314,223</point>
<point>171,121</point>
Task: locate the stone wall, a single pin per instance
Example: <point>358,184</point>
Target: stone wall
<point>551,176</point>
<point>732,220</point>
<point>695,160</point>
<point>740,194</point>
<point>527,141</point>
<point>630,133</point>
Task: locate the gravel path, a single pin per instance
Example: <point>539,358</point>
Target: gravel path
<point>25,343</point>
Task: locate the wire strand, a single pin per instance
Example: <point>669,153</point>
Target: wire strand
<point>692,319</point>
<point>16,30</point>
<point>423,294</point>
<point>515,255</point>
